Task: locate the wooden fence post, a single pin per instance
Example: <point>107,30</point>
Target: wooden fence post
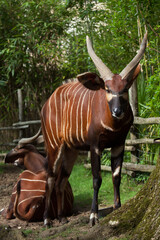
<point>20,110</point>
<point>134,130</point>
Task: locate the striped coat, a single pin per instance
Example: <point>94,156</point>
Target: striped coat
<point>28,198</point>
<point>73,114</point>
<point>91,114</point>
<point>78,118</point>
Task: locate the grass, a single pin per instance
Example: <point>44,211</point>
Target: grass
<point>81,182</point>
<point>27,232</point>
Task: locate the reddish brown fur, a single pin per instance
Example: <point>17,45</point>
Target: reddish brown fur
<point>117,84</point>
<point>33,208</point>
<point>85,116</point>
<point>27,157</point>
<point>27,210</point>
<point>76,117</point>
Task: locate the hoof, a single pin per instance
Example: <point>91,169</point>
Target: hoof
<point>93,219</point>
<point>116,206</point>
<point>47,223</point>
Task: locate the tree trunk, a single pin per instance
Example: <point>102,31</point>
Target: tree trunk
<point>137,219</point>
<point>134,129</point>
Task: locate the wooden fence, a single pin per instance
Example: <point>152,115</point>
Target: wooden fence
<point>130,146</point>
<point>130,143</point>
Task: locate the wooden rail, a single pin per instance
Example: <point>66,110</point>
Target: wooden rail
<point>127,168</point>
<point>137,120</point>
<point>131,145</point>
<point>130,142</point>
<point>152,120</point>
<point>14,127</point>
<point>32,122</point>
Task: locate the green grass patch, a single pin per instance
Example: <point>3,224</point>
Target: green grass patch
<point>81,182</point>
<point>27,232</point>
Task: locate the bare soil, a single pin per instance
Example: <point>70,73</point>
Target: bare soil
<point>76,228</point>
<point>137,219</point>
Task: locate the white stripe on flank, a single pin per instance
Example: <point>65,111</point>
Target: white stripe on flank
<point>77,114</point>
<point>33,190</point>
<point>61,105</point>
<point>69,116</point>
<point>40,196</point>
<point>28,171</point>
<point>68,112</point>
<point>32,180</point>
<point>82,135</point>
<point>88,111</point>
<point>47,131</point>
<point>56,114</point>
<point>71,112</point>
<point>50,123</point>
<point>64,109</point>
<point>89,107</point>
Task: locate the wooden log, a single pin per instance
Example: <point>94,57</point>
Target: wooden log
<point>7,144</point>
<point>14,128</point>
<point>128,172</point>
<point>27,122</point>
<point>127,167</point>
<point>2,155</point>
<point>138,167</point>
<point>127,148</point>
<point>152,120</point>
<point>139,141</point>
<point>108,169</point>
<point>137,120</point>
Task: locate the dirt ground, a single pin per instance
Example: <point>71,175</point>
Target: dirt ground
<point>77,228</point>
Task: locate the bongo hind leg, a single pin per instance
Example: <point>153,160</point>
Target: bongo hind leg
<point>69,158</point>
<point>54,163</point>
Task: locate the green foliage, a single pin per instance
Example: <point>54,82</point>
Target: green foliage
<point>30,49</point>
<point>43,43</point>
<point>106,158</point>
<point>142,177</point>
<point>27,232</point>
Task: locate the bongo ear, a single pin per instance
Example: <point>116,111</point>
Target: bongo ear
<point>91,80</point>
